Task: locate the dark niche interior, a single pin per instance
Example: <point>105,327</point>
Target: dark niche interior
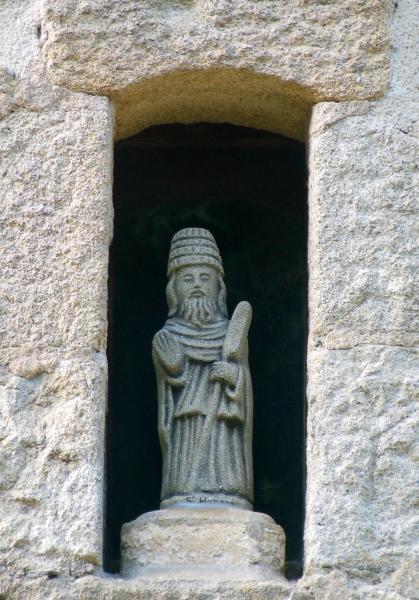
<point>248,187</point>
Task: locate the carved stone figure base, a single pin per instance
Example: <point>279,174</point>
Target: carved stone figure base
<point>194,543</point>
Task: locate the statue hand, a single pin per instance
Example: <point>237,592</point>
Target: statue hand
<point>169,351</point>
<point>224,372</point>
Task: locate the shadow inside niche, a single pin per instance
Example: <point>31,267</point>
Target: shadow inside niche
<point>249,189</point>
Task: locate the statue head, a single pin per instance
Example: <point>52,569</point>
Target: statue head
<point>195,291</point>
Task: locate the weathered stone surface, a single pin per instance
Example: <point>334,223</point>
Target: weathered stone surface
<point>404,31</point>
<point>50,586</point>
<point>261,64</point>
<point>55,223</point>
<point>121,43</point>
<point>362,367</point>
<point>19,42</point>
<point>361,453</point>
<point>156,55</point>
<point>55,227</point>
<point>333,584</point>
<point>223,543</point>
<point>405,579</point>
<point>51,465</point>
<point>363,228</point>
<point>240,97</point>
<point>95,588</point>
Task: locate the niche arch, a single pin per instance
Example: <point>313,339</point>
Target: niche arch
<point>241,97</point>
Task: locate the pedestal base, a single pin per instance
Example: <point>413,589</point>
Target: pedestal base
<point>220,543</point>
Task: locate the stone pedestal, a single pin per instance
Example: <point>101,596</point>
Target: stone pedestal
<point>195,543</point>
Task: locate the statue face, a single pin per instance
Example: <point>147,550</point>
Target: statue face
<point>196,281</point>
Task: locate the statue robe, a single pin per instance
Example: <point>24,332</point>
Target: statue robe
<point>204,460</point>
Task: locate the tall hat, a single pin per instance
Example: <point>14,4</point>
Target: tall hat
<point>194,246</point>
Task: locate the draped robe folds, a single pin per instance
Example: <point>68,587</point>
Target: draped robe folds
<point>206,447</point>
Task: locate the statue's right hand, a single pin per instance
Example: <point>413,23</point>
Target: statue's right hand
<point>169,351</point>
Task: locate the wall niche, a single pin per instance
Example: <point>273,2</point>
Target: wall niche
<point>248,187</point>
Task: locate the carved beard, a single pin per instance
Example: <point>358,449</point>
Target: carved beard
<point>198,310</point>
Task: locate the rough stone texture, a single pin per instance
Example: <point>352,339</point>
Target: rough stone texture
<point>362,450</point>
<point>46,587</point>
<point>251,63</point>
<point>333,584</point>
<point>93,588</point>
<point>363,246</point>
<point>193,60</point>
<point>19,42</point>
<point>226,543</point>
<point>55,226</point>
<point>404,29</point>
<point>51,456</point>
<point>55,223</point>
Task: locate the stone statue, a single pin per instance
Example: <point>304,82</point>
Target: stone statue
<point>203,380</point>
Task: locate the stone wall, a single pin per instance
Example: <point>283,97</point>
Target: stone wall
<point>56,223</point>
<point>74,75</point>
<point>363,346</point>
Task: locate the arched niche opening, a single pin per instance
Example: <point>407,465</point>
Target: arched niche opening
<point>241,97</point>
<point>249,188</point>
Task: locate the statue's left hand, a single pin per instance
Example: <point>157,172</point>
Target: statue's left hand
<point>225,372</point>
